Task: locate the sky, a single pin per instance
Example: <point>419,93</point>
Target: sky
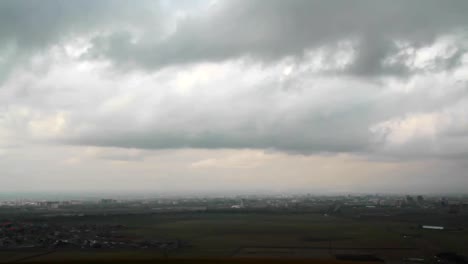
<point>234,96</point>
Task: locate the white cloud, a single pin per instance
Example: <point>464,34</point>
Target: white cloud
<point>244,159</point>
<point>49,126</point>
<point>401,130</point>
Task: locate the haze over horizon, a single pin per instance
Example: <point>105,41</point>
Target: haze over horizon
<point>234,96</point>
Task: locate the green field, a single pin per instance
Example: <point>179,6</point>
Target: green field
<point>264,235</point>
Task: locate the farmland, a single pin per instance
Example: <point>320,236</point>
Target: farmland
<point>263,234</point>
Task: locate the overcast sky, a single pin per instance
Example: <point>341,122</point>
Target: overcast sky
<point>234,96</point>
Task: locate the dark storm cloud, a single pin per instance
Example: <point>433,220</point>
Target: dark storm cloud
<point>269,30</point>
<point>35,24</point>
<point>227,29</point>
<point>298,138</point>
<point>30,27</point>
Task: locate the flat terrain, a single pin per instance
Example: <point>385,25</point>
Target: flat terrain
<point>260,235</point>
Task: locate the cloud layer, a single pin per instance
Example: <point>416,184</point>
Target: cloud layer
<point>374,79</point>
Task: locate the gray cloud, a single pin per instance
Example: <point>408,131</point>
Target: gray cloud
<point>142,35</point>
<point>151,95</point>
<point>274,77</point>
<point>273,30</point>
<point>35,24</point>
<point>31,27</point>
<point>303,113</point>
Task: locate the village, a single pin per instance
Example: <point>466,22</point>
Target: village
<point>24,235</point>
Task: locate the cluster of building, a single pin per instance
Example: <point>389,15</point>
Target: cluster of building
<point>252,202</point>
<point>20,235</point>
<point>39,203</point>
<point>452,204</point>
